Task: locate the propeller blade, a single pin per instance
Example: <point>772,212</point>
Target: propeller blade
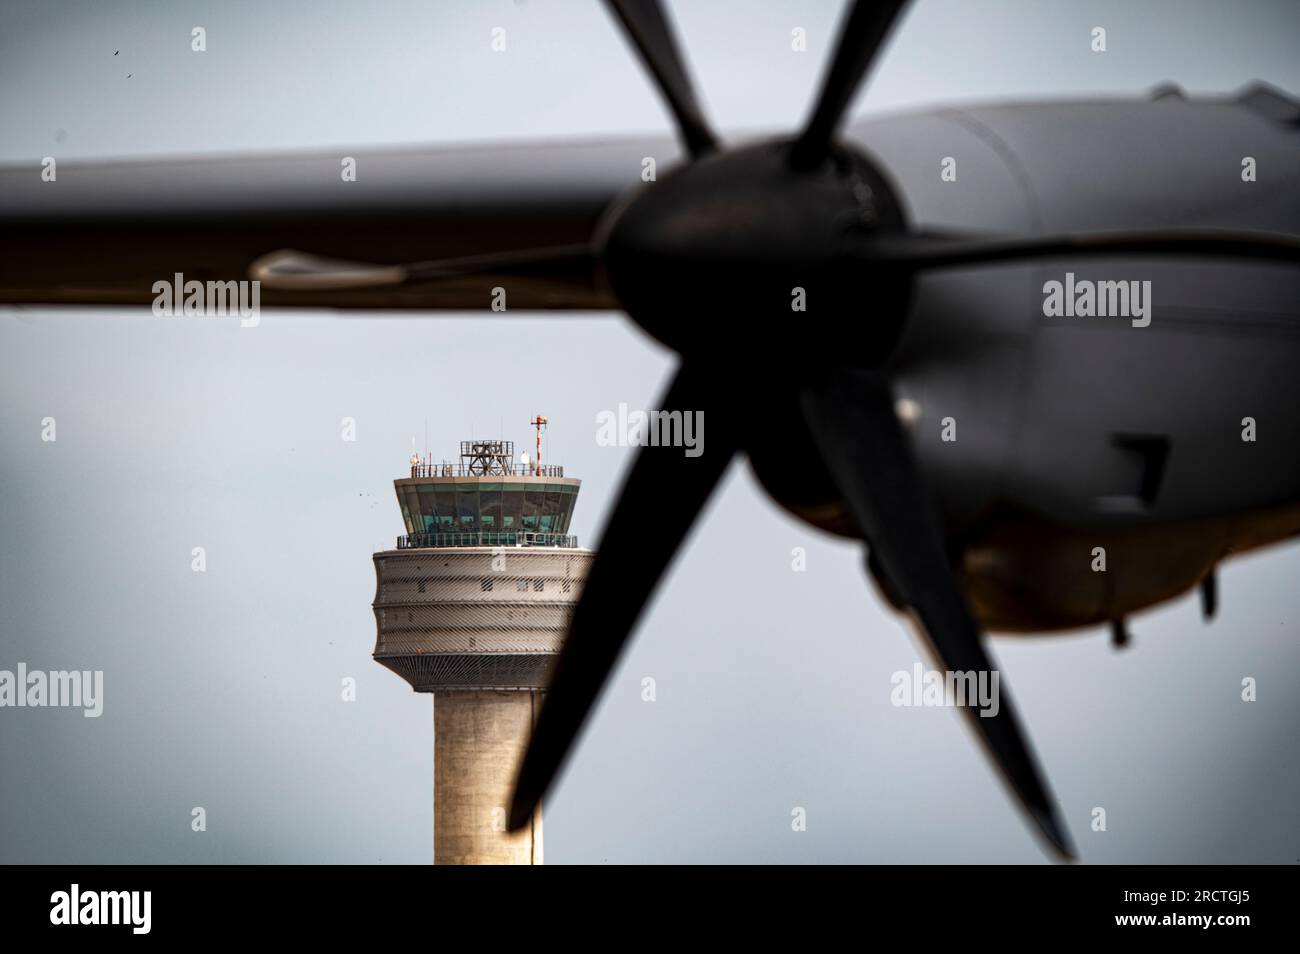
<point>923,251</point>
<point>647,26</point>
<point>293,270</point>
<point>640,539</point>
<point>854,423</point>
<point>105,231</point>
<point>861,37</point>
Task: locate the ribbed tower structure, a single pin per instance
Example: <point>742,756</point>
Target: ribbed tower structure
<point>472,606</point>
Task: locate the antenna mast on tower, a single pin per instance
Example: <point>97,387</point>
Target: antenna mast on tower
<point>539,423</point>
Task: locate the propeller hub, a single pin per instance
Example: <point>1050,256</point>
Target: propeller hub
<point>740,253</point>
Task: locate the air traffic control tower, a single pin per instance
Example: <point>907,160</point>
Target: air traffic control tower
<point>472,606</point>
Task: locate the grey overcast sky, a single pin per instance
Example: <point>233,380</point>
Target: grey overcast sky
<point>222,689</point>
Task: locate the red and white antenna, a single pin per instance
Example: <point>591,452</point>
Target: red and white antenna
<point>538,422</point>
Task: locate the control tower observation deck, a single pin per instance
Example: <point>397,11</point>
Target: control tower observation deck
<point>472,605</point>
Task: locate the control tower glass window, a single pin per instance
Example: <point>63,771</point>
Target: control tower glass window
<point>489,506</point>
<point>443,505</point>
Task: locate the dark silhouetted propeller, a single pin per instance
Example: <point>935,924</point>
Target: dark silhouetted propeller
<point>861,38</point>
<point>852,421</point>
<point>852,418</point>
<point>917,251</point>
<point>299,271</point>
<point>658,247</point>
<point>632,556</point>
<point>647,26</point>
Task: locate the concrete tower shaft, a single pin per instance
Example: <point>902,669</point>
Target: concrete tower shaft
<point>479,737</point>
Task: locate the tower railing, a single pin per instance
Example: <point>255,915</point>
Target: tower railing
<point>462,470</point>
<point>485,538</point>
